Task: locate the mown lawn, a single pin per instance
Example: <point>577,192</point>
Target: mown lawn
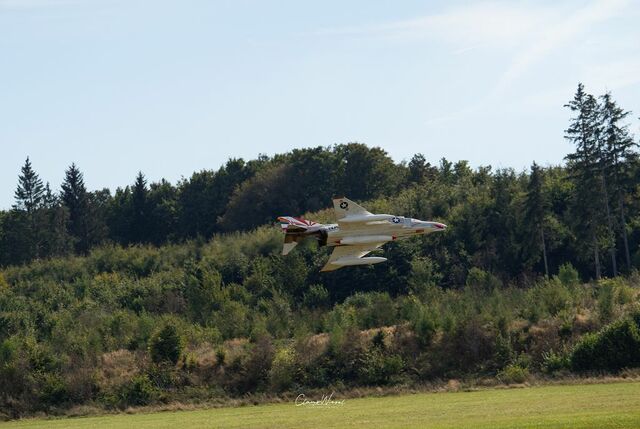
<point>615,405</point>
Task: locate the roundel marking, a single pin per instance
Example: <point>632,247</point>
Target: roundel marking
<point>395,220</point>
<point>344,205</point>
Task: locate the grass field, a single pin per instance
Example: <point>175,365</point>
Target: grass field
<point>615,405</point>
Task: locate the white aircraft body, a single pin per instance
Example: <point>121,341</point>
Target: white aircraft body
<point>357,233</point>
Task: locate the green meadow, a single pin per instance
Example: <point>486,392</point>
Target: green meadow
<point>614,405</point>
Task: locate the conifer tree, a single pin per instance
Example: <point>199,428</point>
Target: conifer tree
<point>619,153</point>
<point>535,208</point>
<point>29,198</point>
<point>583,166</point>
<point>140,215</point>
<point>75,198</point>
<point>30,192</point>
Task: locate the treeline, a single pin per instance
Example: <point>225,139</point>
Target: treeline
<point>238,196</point>
<point>512,224</point>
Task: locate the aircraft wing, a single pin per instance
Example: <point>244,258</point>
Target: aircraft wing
<point>355,251</point>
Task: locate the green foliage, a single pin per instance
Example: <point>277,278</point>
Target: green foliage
<point>554,296</point>
<point>479,279</point>
<point>139,320</point>
<point>378,367</point>
<point>166,345</point>
<point>606,297</point>
<point>615,347</point>
<point>424,326</point>
<point>553,362</point>
<point>316,297</point>
<point>282,372</point>
<point>140,391</point>
<point>424,276</point>
<point>568,275</point>
<point>513,374</point>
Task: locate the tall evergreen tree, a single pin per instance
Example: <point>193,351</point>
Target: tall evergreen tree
<point>139,232</point>
<point>535,209</point>
<point>75,198</point>
<point>30,192</point>
<point>619,153</point>
<point>54,216</point>
<point>583,165</point>
<point>29,197</point>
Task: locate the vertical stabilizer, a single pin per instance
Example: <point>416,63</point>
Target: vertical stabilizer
<point>345,207</point>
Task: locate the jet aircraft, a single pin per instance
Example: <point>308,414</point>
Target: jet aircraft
<point>357,233</point>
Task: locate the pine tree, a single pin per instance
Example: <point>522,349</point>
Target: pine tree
<point>54,217</point>
<point>535,209</point>
<point>619,153</point>
<point>29,197</point>
<point>75,198</point>
<point>30,192</point>
<point>140,215</point>
<point>583,166</point>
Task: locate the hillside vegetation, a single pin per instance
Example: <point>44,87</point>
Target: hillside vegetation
<point>179,293</point>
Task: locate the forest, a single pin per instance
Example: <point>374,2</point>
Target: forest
<point>157,293</point>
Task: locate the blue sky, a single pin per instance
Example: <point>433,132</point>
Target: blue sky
<point>170,87</point>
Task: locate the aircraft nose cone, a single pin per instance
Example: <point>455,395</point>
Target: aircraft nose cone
<point>439,226</point>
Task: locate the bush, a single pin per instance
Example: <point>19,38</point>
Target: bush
<point>376,367</point>
<point>53,390</point>
<point>555,296</point>
<point>513,373</point>
<point>424,276</point>
<point>568,275</point>
<point>615,347</point>
<point>316,297</point>
<point>606,298</point>
<point>480,279</point>
<point>166,345</point>
<point>139,392</point>
<point>553,362</point>
<point>282,370</point>
<point>424,326</point>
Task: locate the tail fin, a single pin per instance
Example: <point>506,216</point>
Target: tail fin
<point>294,230</point>
<point>295,224</point>
<point>345,207</point>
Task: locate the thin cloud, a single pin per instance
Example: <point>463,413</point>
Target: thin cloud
<point>613,75</point>
<point>36,4</point>
<point>558,36</point>
<point>502,24</point>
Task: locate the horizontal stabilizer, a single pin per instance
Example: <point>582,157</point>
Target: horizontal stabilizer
<point>288,247</point>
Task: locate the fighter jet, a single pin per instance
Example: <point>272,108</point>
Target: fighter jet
<point>357,233</point>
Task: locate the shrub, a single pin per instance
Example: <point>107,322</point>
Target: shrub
<point>568,275</point>
<point>424,276</point>
<point>615,347</point>
<point>503,353</point>
<point>53,390</point>
<point>553,362</point>
<point>375,367</point>
<point>606,298</point>
<point>139,392</point>
<point>166,345</point>
<point>378,340</point>
<point>316,297</point>
<point>513,373</point>
<point>477,278</point>
<point>424,326</point>
<point>555,296</point>
<point>282,370</point>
